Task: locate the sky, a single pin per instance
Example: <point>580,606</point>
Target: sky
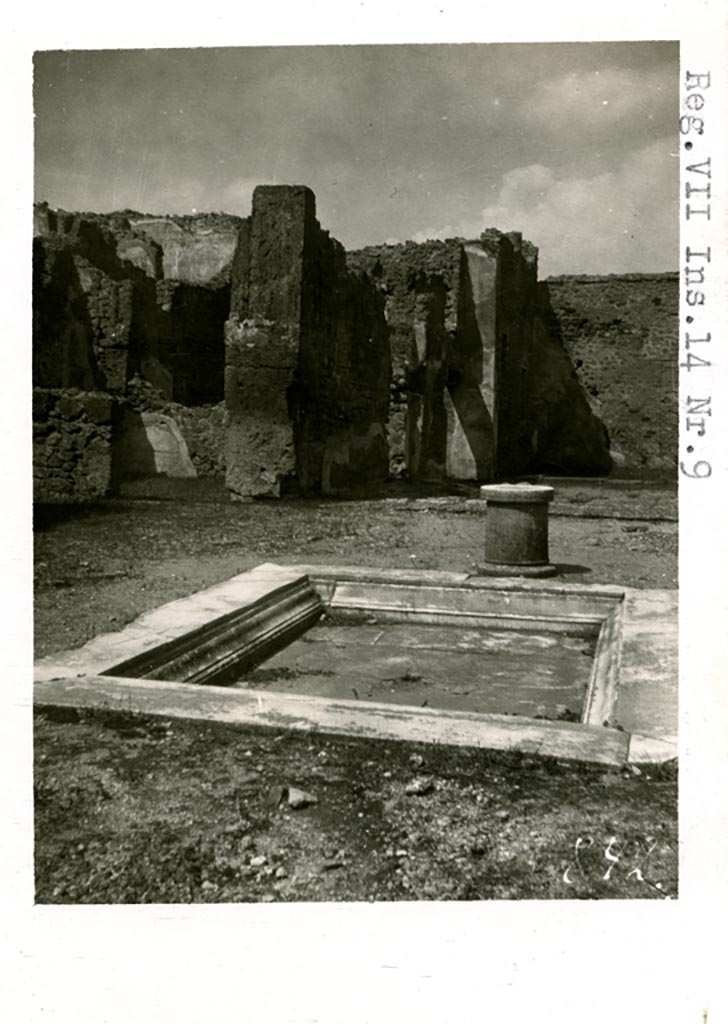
<point>573,144</point>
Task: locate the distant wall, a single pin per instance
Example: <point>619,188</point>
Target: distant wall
<point>420,285</point>
<point>203,428</point>
<point>72,450</point>
<point>197,249</point>
<point>191,344</point>
<point>621,333</point>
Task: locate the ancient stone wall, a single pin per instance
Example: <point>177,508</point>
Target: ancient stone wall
<point>72,444</point>
<point>192,340</point>
<point>105,307</point>
<point>84,310</point>
<point>201,426</point>
<point>420,285</point>
<point>480,387</point>
<point>441,359</point>
<point>621,333</point>
<point>196,249</point>
<point>103,316</point>
<point>307,357</point>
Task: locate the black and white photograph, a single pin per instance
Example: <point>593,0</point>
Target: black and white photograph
<point>355,425</point>
<point>374,420</point>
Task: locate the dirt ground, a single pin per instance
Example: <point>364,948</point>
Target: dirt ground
<point>97,567</point>
<point>130,810</point>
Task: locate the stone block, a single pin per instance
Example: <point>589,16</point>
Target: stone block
<point>99,408</point>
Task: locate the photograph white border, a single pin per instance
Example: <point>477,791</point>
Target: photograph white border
<point>624,962</point>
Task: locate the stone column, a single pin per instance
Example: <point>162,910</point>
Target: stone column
<point>516,530</point>
<point>262,340</point>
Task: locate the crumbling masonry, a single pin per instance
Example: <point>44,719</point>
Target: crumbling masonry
<point>479,388</point>
<point>258,349</point>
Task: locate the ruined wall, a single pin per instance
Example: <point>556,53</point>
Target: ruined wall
<point>86,305</point>
<point>192,340</point>
<point>445,358</point>
<point>307,357</point>
<point>72,444</point>
<point>106,308</point>
<point>202,427</point>
<point>621,333</point>
<point>480,387</point>
<point>197,249</point>
<point>420,285</point>
<point>103,316</point>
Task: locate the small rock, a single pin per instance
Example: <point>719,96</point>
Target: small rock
<point>208,886</point>
<point>503,814</point>
<point>281,873</point>
<point>386,775</point>
<point>298,798</point>
<point>275,795</point>
<point>268,897</point>
<point>258,861</point>
<point>418,787</point>
<point>332,865</point>
<point>401,853</point>
<point>247,842</point>
<point>416,760</point>
<point>247,778</point>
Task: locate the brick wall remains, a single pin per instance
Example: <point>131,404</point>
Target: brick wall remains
<point>201,426</point>
<point>102,317</point>
<point>72,444</point>
<point>420,285</point>
<point>621,332</point>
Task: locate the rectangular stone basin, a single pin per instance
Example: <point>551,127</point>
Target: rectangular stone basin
<point>418,655</point>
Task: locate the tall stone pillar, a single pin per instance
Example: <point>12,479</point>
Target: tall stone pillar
<point>262,340</point>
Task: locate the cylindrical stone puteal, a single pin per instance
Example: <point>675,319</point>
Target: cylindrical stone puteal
<point>517,531</point>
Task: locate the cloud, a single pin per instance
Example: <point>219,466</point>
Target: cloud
<point>606,223</point>
<point>590,101</point>
<point>237,197</point>
<point>611,222</point>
